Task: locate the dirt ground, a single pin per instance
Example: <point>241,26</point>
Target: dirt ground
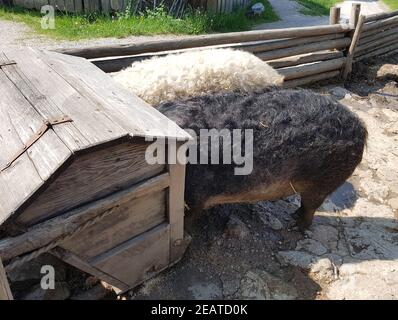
<point>249,252</point>
<point>351,250</point>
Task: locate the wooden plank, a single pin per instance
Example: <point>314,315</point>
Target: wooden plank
<point>313,47</point>
<point>381,16</point>
<point>311,79</point>
<point>40,3</point>
<point>364,40</point>
<point>334,17</point>
<point>105,6</point>
<point>88,116</point>
<point>47,153</point>
<point>305,58</point>
<point>107,170</point>
<point>126,109</point>
<point>309,69</point>
<point>128,220</point>
<point>212,6</point>
<point>203,41</point>
<point>137,259</point>
<point>67,132</point>
<point>60,5</point>
<point>86,6</point>
<point>78,6</point>
<point>355,12</point>
<point>382,40</point>
<point>115,5</point>
<point>20,121</point>
<point>391,47</point>
<point>70,6</point>
<point>84,266</point>
<point>353,46</point>
<point>5,291</point>
<point>28,4</point>
<point>286,43</point>
<point>379,30</point>
<point>50,230</point>
<point>380,23</point>
<point>176,208</point>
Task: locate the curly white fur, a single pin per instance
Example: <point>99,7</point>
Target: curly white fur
<point>195,73</point>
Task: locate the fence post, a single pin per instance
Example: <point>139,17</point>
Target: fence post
<point>355,11</point>
<point>334,17</point>
<point>5,292</point>
<point>358,23</point>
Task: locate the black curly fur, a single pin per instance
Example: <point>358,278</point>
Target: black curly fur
<point>296,132</point>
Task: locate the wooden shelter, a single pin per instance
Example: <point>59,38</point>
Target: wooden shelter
<point>74,180</point>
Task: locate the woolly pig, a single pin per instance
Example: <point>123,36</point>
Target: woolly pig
<point>302,142</point>
<point>194,73</point>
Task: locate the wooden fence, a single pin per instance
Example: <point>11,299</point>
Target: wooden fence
<point>302,55</point>
<point>219,6</point>
<point>378,36</point>
<point>106,6</point>
<point>72,6</point>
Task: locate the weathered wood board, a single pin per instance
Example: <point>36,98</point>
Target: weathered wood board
<point>5,292</point>
<point>74,176</point>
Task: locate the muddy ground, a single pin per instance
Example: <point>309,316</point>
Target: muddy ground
<point>248,251</point>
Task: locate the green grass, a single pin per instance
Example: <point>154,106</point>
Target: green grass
<point>74,27</point>
<point>317,7</point>
<point>393,4</point>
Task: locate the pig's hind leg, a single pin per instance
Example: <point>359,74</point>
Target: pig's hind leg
<point>311,200</point>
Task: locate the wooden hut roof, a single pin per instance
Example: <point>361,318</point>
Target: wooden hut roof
<point>53,106</point>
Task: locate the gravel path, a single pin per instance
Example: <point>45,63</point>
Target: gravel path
<point>289,12</point>
<point>18,34</point>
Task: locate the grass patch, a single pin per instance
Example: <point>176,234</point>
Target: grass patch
<point>393,4</point>
<point>317,7</point>
<point>152,22</point>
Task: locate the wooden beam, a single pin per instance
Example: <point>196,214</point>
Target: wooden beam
<point>287,43</point>
<point>335,13</point>
<point>310,69</point>
<point>380,24</point>
<point>355,12</point>
<point>311,79</point>
<point>364,40</point>
<point>305,58</point>
<point>351,50</point>
<point>176,208</point>
<point>42,234</point>
<point>382,40</point>
<point>117,64</point>
<point>380,16</point>
<point>5,291</point>
<point>391,47</point>
<point>77,262</point>
<point>378,30</point>
<point>203,41</point>
<point>313,47</point>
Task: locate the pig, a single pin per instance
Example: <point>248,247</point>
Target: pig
<point>303,143</point>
